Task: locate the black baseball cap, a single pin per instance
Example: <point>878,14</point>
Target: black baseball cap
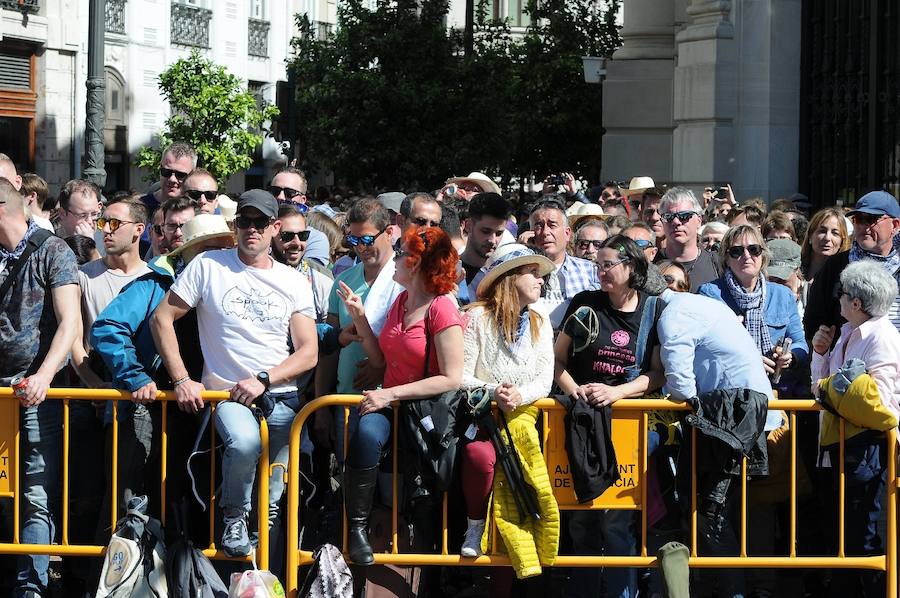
<point>260,199</point>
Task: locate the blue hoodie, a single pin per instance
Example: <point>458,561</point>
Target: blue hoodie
<point>121,334</point>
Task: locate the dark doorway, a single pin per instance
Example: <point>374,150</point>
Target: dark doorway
<point>850,99</point>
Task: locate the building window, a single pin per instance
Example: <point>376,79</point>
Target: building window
<point>258,37</point>
<point>190,23</point>
<point>115,16</point>
<point>18,102</point>
<point>23,6</point>
<point>516,14</point>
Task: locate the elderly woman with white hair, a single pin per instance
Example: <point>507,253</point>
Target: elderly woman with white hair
<point>867,353</point>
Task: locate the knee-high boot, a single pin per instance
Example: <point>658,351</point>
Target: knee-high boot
<point>359,491</point>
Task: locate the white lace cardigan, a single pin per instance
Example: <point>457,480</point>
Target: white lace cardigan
<point>489,362</point>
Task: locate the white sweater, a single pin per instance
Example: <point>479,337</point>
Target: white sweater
<point>488,362</point>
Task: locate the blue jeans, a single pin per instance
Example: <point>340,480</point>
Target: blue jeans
<point>238,428</point>
<point>368,436</point>
<point>608,532</point>
<point>41,430</point>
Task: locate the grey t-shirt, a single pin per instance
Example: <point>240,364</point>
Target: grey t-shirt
<point>99,286</point>
<point>701,270</point>
<point>27,318</point>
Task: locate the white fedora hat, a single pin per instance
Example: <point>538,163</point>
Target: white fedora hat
<point>484,182</point>
<point>202,227</point>
<point>584,210</point>
<point>638,185</point>
<point>507,258</point>
<point>227,207</point>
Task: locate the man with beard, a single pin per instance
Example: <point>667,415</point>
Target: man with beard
<point>289,247</point>
<point>488,213</point>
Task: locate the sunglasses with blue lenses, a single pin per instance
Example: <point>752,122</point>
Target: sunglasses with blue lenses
<point>366,240</point>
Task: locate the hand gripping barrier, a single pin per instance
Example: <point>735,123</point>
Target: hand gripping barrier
<point>9,472</point>
<point>638,410</point>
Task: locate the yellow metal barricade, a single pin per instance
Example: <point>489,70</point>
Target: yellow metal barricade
<point>630,419</point>
<point>10,475</point>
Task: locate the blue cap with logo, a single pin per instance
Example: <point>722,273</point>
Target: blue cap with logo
<point>878,203</point>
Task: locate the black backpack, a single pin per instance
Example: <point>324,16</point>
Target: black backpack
<point>189,572</point>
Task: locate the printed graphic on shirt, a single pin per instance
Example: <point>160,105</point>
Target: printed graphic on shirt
<point>254,306</point>
<point>612,359</point>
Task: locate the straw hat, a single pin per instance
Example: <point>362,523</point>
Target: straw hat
<point>638,185</point>
<point>202,227</point>
<point>578,211</point>
<point>484,182</point>
<point>507,258</point>
<point>227,207</point>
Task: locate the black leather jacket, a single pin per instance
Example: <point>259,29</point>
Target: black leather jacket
<point>729,424</point>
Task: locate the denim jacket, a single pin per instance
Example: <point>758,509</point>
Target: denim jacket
<point>780,314</point>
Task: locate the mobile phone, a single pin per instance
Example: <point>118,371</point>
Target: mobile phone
<point>785,345</point>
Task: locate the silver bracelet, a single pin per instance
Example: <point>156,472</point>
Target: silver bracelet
<point>180,381</point>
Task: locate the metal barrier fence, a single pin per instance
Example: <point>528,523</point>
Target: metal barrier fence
<point>637,410</point>
<point>10,483</point>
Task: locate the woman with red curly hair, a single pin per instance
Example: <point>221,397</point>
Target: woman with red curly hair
<point>426,268</point>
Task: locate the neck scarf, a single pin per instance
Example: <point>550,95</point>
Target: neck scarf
<point>523,332</point>
<point>7,256</point>
<point>751,304</point>
<point>890,262</point>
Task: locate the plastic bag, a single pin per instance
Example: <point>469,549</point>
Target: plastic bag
<point>255,584</point>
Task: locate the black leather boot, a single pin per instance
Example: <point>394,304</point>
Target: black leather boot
<point>359,491</point>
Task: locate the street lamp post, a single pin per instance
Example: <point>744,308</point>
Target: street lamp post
<point>95,169</point>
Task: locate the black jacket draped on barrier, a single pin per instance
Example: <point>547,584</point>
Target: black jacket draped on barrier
<point>592,458</point>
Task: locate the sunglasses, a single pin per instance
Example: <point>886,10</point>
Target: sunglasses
<point>839,291</point>
<point>367,240</point>
<point>287,236</point>
<point>399,253</point>
<point>642,243</point>
<point>737,251</point>
<point>668,278</point>
<point>288,192</point>
<point>114,223</point>
<point>171,228</point>
<point>200,195</point>
<point>547,203</point>
<point>300,207</point>
<point>158,230</point>
<point>683,216</point>
<point>168,172</point>
<point>425,222</point>
<point>259,223</point>
<point>866,220</point>
<point>583,244</point>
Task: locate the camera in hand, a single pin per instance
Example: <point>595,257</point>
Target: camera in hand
<point>557,180</point>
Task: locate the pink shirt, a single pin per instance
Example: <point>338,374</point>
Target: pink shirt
<point>877,343</point>
<point>404,350</point>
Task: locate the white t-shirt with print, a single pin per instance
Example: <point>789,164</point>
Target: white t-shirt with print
<point>243,314</point>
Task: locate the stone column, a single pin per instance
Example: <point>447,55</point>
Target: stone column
<point>637,94</point>
<point>737,94</point>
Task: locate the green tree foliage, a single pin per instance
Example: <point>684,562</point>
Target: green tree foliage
<point>213,112</point>
<point>391,100</point>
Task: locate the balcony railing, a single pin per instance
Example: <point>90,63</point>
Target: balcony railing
<point>258,38</point>
<point>190,25</point>
<point>115,16</point>
<point>23,6</point>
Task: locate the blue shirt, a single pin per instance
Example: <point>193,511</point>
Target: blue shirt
<point>704,347</point>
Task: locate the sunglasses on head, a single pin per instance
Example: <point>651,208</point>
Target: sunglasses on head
<point>682,216</point>
<point>114,223</point>
<point>300,207</point>
<point>642,243</point>
<point>737,251</point>
<point>288,192</point>
<point>367,240</point>
<point>168,172</point>
<point>553,204</point>
<point>287,236</point>
<point>259,223</point>
<point>202,195</point>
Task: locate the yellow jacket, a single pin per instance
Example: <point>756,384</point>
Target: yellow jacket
<point>860,407</point>
<point>530,543</point>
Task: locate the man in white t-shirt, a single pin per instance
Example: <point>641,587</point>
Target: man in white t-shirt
<point>257,334</point>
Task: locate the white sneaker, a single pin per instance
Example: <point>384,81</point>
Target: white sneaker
<point>471,546</point>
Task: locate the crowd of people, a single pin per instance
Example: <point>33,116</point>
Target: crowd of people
<point>279,295</point>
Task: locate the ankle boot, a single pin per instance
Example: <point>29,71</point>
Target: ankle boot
<point>359,490</point>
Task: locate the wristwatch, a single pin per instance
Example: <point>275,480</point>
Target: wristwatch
<point>264,378</point>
